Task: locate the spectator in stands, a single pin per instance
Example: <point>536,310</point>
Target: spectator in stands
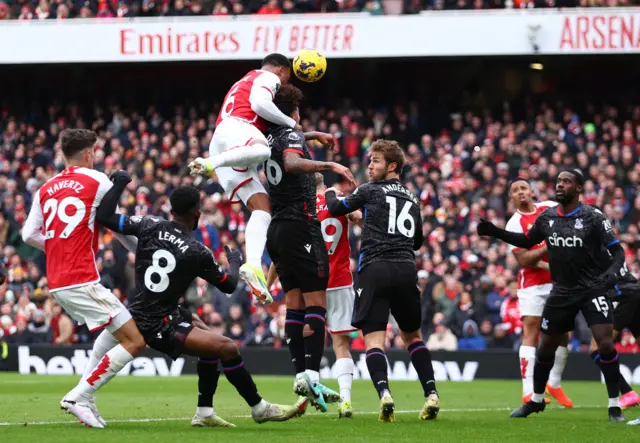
<point>471,339</point>
<point>442,339</point>
<point>61,326</point>
<point>501,339</point>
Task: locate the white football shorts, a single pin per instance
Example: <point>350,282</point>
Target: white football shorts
<point>340,309</point>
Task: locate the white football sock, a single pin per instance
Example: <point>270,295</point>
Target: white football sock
<point>527,361</point>
<point>107,368</point>
<point>256,237</point>
<point>241,156</point>
<point>103,344</point>
<point>314,376</point>
<point>614,402</point>
<point>555,376</point>
<point>344,369</point>
<point>260,407</point>
<point>202,411</point>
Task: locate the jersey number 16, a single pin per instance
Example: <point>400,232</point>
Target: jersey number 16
<point>400,222</point>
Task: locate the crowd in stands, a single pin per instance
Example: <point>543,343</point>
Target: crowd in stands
<point>459,173</point>
<point>61,10</point>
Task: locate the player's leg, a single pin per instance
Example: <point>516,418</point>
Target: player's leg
<point>339,313</point>
<point>598,312</point>
<point>234,144</point>
<point>405,308</point>
<point>205,344</point>
<point>99,308</point>
<point>527,351</point>
<point>208,376</point>
<point>558,317</point>
<point>243,185</point>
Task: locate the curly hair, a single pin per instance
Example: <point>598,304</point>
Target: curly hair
<point>288,99</point>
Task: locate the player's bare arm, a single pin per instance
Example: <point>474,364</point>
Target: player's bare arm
<point>530,258</point>
<point>294,163</point>
<point>272,276</point>
<point>321,137</point>
<point>356,218</point>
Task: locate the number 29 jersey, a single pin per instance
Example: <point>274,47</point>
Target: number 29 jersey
<point>65,206</point>
<point>335,232</point>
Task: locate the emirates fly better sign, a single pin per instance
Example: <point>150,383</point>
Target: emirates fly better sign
<point>468,33</point>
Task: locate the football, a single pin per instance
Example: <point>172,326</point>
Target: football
<point>309,65</point>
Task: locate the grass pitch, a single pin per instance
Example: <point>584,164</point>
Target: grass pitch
<point>157,410</point>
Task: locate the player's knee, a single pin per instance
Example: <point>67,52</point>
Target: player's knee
<point>136,344</point>
<point>341,347</point>
<point>606,346</point>
<point>229,350</point>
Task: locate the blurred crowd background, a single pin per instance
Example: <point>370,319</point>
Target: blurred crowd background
<point>463,146</point>
<point>61,9</point>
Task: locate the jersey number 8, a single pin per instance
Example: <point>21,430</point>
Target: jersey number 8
<point>161,271</point>
<point>401,220</point>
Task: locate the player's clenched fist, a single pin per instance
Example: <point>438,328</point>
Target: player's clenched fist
<point>200,166</point>
<point>233,254</point>
<point>486,228</point>
<point>120,177</point>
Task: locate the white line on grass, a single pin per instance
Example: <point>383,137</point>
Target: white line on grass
<point>151,420</point>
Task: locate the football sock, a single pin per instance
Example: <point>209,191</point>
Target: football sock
<point>240,378</point>
<point>560,361</point>
<point>107,368</point>
<point>343,370</point>
<point>208,375</point>
<point>313,333</point>
<point>377,366</point>
<point>256,237</point>
<point>241,156</point>
<point>624,385</point>
<point>421,359</point>
<point>103,344</point>
<point>527,361</point>
<point>541,371</point>
<point>610,367</point>
<point>293,325</point>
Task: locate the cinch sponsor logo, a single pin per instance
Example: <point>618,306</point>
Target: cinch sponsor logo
<point>59,365</point>
<point>565,242</point>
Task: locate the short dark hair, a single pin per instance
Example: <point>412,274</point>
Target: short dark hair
<point>184,199</point>
<point>288,99</point>
<point>516,180</point>
<point>277,60</point>
<point>77,140</point>
<point>391,151</point>
<point>577,173</point>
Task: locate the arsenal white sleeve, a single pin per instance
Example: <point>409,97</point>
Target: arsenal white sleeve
<point>514,225</point>
<point>32,229</point>
<point>263,91</point>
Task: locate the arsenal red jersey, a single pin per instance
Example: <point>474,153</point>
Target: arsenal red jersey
<point>531,281</point>
<point>335,231</point>
<point>237,102</point>
<point>65,207</point>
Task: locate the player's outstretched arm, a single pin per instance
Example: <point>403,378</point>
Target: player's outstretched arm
<point>32,229</point>
<point>106,213</point>
<point>346,205</point>
<point>261,97</point>
<point>486,228</point>
<point>212,272</point>
<point>294,163</point>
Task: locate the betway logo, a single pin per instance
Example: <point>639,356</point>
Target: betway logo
<point>565,242</point>
<point>59,365</point>
<point>443,371</point>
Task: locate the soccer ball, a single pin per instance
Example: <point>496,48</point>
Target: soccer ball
<point>309,65</point>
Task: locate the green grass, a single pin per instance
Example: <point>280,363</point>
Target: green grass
<point>471,412</point>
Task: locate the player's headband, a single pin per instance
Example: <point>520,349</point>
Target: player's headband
<point>577,174</point>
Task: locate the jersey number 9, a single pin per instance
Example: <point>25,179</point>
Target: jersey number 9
<point>334,238</point>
